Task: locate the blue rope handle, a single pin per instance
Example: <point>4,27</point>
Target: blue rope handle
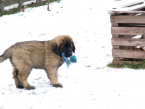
<point>73,59</point>
<point>65,59</point>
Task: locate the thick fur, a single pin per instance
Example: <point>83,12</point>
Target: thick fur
<point>45,55</point>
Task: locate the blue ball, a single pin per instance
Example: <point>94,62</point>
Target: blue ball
<point>73,59</point>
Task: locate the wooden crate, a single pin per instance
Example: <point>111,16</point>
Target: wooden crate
<point>127,22</point>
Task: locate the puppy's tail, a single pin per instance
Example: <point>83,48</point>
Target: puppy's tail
<point>4,56</point>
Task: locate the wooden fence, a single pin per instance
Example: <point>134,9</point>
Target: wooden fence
<point>4,3</point>
<point>127,22</point>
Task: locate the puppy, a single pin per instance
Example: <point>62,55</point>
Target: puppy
<point>47,55</point>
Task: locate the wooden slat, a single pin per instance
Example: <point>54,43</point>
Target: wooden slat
<point>128,19</point>
<point>114,24</point>
<point>128,30</point>
<point>129,62</point>
<point>116,59</point>
<point>128,42</point>
<point>125,37</point>
<point>128,54</point>
<point>115,36</point>
<point>132,4</point>
<point>128,12</point>
<point>133,8</point>
<point>115,47</point>
<point>137,8</point>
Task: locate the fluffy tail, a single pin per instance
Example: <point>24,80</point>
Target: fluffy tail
<point>4,56</point>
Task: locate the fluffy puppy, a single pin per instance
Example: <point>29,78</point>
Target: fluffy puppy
<point>47,55</point>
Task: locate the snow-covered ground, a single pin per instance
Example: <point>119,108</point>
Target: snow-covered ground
<point>94,87</point>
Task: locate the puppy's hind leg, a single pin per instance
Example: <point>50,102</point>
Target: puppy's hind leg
<point>17,81</point>
<point>23,73</point>
<point>23,79</point>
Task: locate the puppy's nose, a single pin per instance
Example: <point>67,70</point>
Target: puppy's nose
<point>70,53</point>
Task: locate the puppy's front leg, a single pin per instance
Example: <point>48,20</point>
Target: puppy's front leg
<point>52,75</point>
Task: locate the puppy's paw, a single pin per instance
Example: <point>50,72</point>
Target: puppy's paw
<point>30,87</point>
<point>20,87</point>
<point>57,85</point>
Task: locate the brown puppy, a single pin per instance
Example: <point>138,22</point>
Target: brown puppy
<point>45,55</point>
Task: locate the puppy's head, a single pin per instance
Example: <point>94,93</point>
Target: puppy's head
<point>68,48</point>
<point>64,44</point>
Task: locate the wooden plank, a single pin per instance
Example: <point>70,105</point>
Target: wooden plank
<point>115,36</point>
<point>128,42</point>
<point>116,59</point>
<point>114,24</point>
<point>112,12</point>
<point>128,62</point>
<point>125,37</point>
<point>128,54</point>
<point>132,4</point>
<point>127,19</point>
<point>115,47</point>
<point>133,8</point>
<point>128,30</point>
<point>136,7</point>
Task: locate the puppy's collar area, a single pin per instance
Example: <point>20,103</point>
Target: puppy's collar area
<point>72,59</point>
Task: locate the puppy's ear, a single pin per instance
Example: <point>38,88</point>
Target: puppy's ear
<point>60,50</point>
<point>56,49</point>
<point>74,48</point>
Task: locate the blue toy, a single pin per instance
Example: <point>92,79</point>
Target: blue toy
<point>72,59</point>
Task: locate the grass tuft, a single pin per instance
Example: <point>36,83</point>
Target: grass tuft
<point>138,65</point>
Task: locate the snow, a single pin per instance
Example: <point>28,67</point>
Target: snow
<point>93,87</point>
